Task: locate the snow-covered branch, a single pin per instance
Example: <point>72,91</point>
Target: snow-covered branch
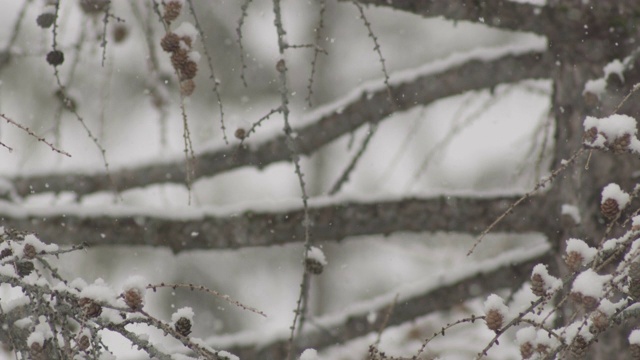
<point>509,15</point>
<point>368,104</point>
<point>434,294</point>
<point>193,229</point>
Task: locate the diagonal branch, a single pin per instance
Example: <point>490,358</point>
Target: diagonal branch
<point>506,271</point>
<point>369,104</point>
<point>509,15</point>
<point>200,229</point>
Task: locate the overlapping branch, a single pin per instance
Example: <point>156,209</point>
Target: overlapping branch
<point>476,73</point>
<point>479,282</point>
<point>331,222</point>
<point>508,15</point>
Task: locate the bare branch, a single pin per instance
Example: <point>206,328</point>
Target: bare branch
<point>501,14</point>
<point>371,106</point>
<point>509,273</point>
<point>332,222</point>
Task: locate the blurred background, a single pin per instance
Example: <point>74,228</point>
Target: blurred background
<point>480,142</point>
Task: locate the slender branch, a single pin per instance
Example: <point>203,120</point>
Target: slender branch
<point>477,281</point>
<point>367,105</point>
<point>195,229</point>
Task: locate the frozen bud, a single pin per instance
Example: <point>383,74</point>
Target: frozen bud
<point>90,308</point>
<point>183,326</point>
<point>170,42</point>
<point>495,312</point>
<point>172,10</point>
<point>590,135</point>
<point>281,66</point>
<point>45,20</point>
<point>55,57</point>
<point>24,268</point>
<point>187,87</point>
<point>29,251</point>
<point>315,261</point>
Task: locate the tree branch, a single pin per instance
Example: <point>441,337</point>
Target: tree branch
<point>196,229</point>
<point>475,281</point>
<point>509,15</point>
<point>462,74</point>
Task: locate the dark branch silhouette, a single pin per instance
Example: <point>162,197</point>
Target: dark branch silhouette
<point>372,106</point>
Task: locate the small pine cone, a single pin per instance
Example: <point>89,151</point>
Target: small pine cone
<point>55,57</point>
<point>634,289</point>
<point>538,285</point>
<point>29,251</point>
<point>172,10</point>
<point>634,351</point>
<point>46,20</point>
<point>5,253</point>
<point>90,308</point>
<point>240,134</point>
<point>120,33</point>
<point>494,320</point>
<point>576,297</point>
<point>621,144</point>
<point>526,350</point>
<point>133,299</point>
<point>188,70</point>
<point>170,42</point>
<point>590,135</point>
<point>281,66</point>
<point>542,349</point>
<point>187,87</point>
<point>183,326</point>
<point>179,58</point>
<point>579,347</point>
<point>84,343</point>
<point>574,260</point>
<point>24,268</point>
<point>610,208</point>
<point>37,352</point>
<point>599,322</point>
<point>313,266</point>
<point>590,99</point>
<point>590,303</point>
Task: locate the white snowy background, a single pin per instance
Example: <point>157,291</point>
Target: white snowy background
<point>476,143</point>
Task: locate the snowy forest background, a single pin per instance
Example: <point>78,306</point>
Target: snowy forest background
<point>412,125</point>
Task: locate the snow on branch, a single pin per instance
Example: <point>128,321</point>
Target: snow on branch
<point>435,294</point>
<point>500,14</point>
<point>191,229</point>
<point>368,104</point>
